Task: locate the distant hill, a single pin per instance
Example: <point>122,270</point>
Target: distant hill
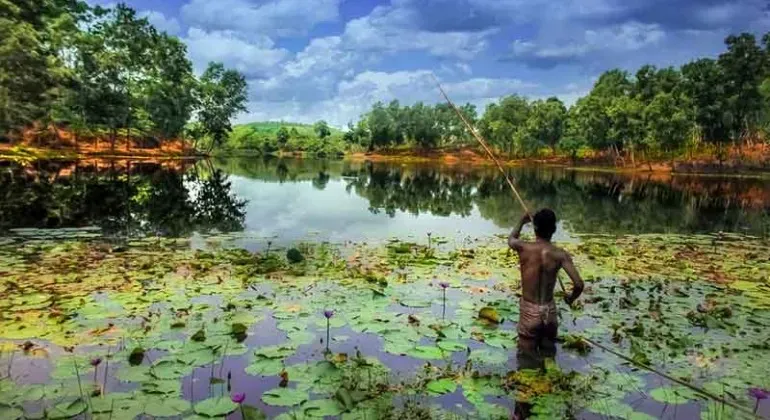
<point>261,137</point>
<point>270,128</point>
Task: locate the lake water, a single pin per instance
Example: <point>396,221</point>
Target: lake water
<point>290,200</point>
<point>395,231</point>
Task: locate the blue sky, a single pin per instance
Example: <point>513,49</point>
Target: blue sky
<point>307,60</point>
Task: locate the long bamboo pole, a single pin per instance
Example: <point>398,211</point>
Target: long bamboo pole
<point>491,156</point>
<point>483,145</point>
<point>671,378</point>
<point>588,340</point>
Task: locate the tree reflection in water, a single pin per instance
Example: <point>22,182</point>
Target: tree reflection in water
<point>174,198</point>
<point>177,197</point>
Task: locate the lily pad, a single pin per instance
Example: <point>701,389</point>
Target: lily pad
<point>322,408</point>
<point>10,413</point>
<point>284,397</point>
<point>166,407</point>
<point>415,303</point>
<point>450,345</point>
<point>265,367</point>
<point>441,386</point>
<point>490,314</point>
<point>252,413</point>
<point>488,356</point>
<point>67,410</point>
<point>672,395</point>
<point>426,352</point>
<point>215,407</point>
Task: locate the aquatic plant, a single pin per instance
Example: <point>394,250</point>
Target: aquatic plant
<point>444,285</point>
<point>328,314</point>
<point>294,256</point>
<point>239,398</point>
<point>758,394</point>
<point>151,296</point>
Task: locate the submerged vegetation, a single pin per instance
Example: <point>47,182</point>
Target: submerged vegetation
<point>152,327</point>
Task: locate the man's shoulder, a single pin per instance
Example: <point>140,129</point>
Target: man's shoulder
<point>556,252</point>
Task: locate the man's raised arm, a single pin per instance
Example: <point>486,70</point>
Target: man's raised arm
<point>513,241</point>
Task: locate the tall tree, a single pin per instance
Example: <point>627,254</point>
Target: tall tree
<point>282,136</point>
<point>31,67</point>
<point>705,86</point>
<point>322,129</point>
<point>546,123</point>
<point>744,68</point>
<point>221,95</point>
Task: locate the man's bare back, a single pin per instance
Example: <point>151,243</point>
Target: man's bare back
<point>540,262</point>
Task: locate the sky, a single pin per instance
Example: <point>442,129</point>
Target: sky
<point>307,60</point>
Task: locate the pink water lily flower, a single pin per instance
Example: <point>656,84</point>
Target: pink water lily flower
<point>328,313</point>
<point>759,393</point>
<point>238,397</point>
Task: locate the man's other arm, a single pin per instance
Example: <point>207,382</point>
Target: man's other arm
<point>577,281</point>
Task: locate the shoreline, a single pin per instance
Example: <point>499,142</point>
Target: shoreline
<point>451,157</point>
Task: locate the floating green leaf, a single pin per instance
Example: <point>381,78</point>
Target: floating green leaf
<point>10,413</point>
<point>284,397</point>
<point>166,407</point>
<point>441,386</point>
<point>672,395</point>
<point>488,356</point>
<point>450,345</point>
<point>265,367</point>
<point>322,408</point>
<point>426,352</point>
<point>215,407</point>
<point>252,413</point>
<point>67,410</point>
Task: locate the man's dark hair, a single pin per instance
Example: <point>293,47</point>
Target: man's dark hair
<point>545,223</point>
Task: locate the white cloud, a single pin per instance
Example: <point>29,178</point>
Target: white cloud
<point>616,39</point>
<point>391,29</point>
<point>465,68</point>
<point>161,22</point>
<point>256,57</point>
<point>272,18</point>
<point>355,96</point>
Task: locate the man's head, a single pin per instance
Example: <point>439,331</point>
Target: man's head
<point>545,224</point>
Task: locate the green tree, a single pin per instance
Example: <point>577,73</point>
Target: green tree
<point>667,124</point>
<point>626,124</point>
<point>423,128</point>
<point>743,66</point>
<point>503,123</point>
<point>282,136</point>
<point>704,85</point>
<point>322,129</point>
<point>380,126</point>
<point>546,123</point>
<point>31,67</point>
<point>221,95</point>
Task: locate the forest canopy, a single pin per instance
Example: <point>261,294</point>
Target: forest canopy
<point>658,111</point>
<point>106,72</point>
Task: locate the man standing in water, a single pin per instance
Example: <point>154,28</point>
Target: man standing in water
<point>540,264</point>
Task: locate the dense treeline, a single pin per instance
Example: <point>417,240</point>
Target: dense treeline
<point>657,112</point>
<point>106,73</point>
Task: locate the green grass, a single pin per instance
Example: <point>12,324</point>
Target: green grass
<point>271,128</point>
<point>261,137</point>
